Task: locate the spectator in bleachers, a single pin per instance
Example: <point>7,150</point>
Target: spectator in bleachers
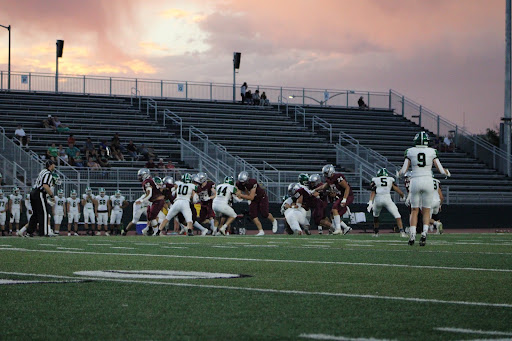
<point>71,140</point>
<point>151,164</point>
<point>146,152</point>
<point>93,164</point>
<point>102,146</point>
<point>248,97</point>
<point>132,150</point>
<point>161,164</point>
<point>62,154</point>
<point>264,99</point>
<point>102,159</point>
<point>78,160</point>
<point>243,91</point>
<point>448,144</point>
<point>21,136</point>
<point>115,148</point>
<point>362,104</point>
<point>59,126</point>
<point>256,97</point>
<point>73,154</point>
<point>169,165</point>
<point>49,123</point>
<point>89,148</point>
<point>52,153</point>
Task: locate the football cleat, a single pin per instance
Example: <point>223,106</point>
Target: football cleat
<point>320,230</point>
<point>411,242</point>
<point>190,233</point>
<point>423,240</point>
<point>307,231</point>
<point>274,226</point>
<point>328,170</point>
<point>260,233</point>
<point>143,174</point>
<point>383,172</point>
<point>337,231</point>
<point>347,230</point>
<point>421,139</point>
<point>243,176</point>
<point>222,230</point>
<point>440,228</point>
<point>123,232</point>
<point>229,180</point>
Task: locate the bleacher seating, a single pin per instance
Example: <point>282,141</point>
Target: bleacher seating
<point>390,135</point>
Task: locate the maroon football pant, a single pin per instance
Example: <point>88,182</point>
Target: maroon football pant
<point>260,206</point>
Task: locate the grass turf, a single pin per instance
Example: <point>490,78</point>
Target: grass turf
<point>392,290</point>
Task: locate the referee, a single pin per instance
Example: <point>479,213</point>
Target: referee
<point>38,199</point>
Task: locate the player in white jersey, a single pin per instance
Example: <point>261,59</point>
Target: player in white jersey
<point>118,203</point>
<point>138,210</point>
<point>4,206</point>
<point>102,211</point>
<point>436,208</point>
<point>28,206</point>
<point>15,200</point>
<point>89,203</point>
<point>421,158</point>
<point>295,215</point>
<point>185,191</point>
<point>59,210</point>
<point>73,209</point>
<point>380,198</point>
<point>221,202</point>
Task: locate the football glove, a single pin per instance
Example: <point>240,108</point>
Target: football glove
<point>408,201</point>
<point>370,206</point>
<point>447,173</point>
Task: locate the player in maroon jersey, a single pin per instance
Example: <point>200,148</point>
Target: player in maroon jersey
<point>337,183</point>
<point>151,194</point>
<point>251,190</point>
<point>319,214</point>
<point>206,192</point>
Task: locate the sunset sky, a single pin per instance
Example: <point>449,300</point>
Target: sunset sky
<point>447,55</point>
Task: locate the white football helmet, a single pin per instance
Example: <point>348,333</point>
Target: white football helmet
<point>243,176</point>
<point>143,174</point>
<point>202,177</point>
<point>328,170</point>
<point>74,194</point>
<point>315,180</point>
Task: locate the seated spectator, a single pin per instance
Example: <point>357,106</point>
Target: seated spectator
<point>73,154</point>
<point>89,148</point>
<point>93,164</point>
<point>71,140</point>
<point>161,164</point>
<point>49,123</point>
<point>436,143</point>
<point>102,146</point>
<point>78,160</point>
<point>151,164</point>
<point>169,165</point>
<point>62,154</point>
<point>115,148</point>
<point>448,144</point>
<point>21,136</point>
<point>362,104</point>
<point>102,159</point>
<point>59,126</point>
<point>52,153</point>
<point>248,97</point>
<point>146,152</point>
<point>132,150</point>
<point>256,98</point>
<point>264,99</point>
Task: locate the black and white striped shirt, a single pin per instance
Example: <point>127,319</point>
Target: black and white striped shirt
<point>44,178</point>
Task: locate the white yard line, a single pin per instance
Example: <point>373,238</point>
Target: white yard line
<point>472,331</point>
<point>273,291</point>
<point>69,248</point>
<point>100,244</point>
<point>338,338</point>
<point>265,260</point>
<point>122,247</point>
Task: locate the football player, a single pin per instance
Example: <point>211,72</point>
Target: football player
<point>73,209</point>
<point>436,208</point>
<point>15,200</point>
<point>118,203</point>
<point>59,210</point>
<point>339,187</point>
<point>421,158</point>
<point>295,215</point>
<point>251,190</point>
<point>139,208</point>
<point>220,204</point>
<point>89,204</point>
<point>185,191</point>
<point>206,192</point>
<point>321,203</point>
<point>4,205</point>
<point>151,195</point>
<point>380,197</point>
<point>102,211</point>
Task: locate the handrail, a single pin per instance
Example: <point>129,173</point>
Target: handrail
<point>3,132</point>
<point>300,111</point>
<point>324,124</point>
<point>153,104</point>
<point>134,92</point>
<point>173,117</point>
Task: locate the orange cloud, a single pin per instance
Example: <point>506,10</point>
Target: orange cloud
<point>153,46</point>
<point>174,13</point>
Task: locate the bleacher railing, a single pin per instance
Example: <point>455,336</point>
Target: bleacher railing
<point>491,155</point>
<point>13,173</point>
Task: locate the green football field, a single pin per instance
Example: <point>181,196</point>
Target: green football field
<point>458,287</point>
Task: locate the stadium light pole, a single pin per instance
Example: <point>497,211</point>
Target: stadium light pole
<point>9,65</point>
<point>58,53</point>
